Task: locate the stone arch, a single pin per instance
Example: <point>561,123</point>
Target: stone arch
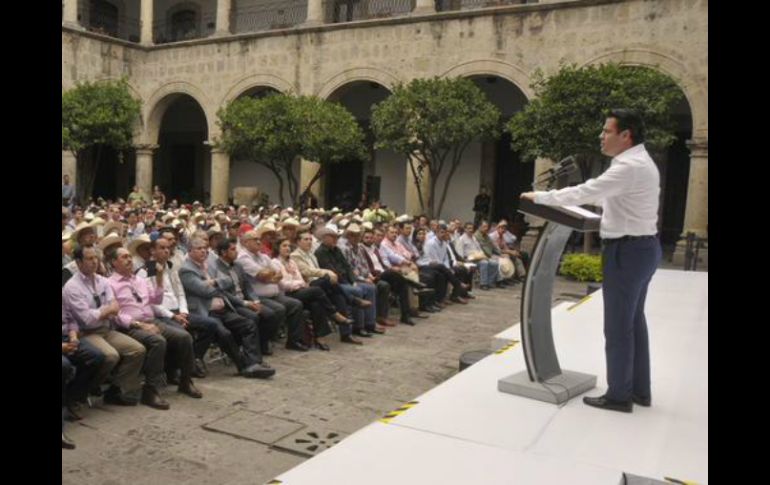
<point>493,67</point>
<point>672,65</point>
<point>373,74</point>
<point>161,99</point>
<point>257,80</point>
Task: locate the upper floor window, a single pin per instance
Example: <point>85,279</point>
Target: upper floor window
<point>184,25</point>
<point>104,17</point>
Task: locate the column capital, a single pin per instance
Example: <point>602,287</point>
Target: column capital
<point>145,149</point>
<point>699,147</point>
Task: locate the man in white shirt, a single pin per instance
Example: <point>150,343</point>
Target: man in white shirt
<point>628,192</point>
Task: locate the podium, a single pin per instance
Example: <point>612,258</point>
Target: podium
<point>544,379</point>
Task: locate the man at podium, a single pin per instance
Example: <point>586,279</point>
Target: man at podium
<point>628,193</point>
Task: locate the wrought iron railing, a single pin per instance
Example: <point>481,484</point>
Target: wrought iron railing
<point>449,5</point>
<point>272,16</point>
<point>126,28</point>
<point>692,251</point>
<point>352,10</point>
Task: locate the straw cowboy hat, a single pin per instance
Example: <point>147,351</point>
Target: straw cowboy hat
<point>266,227</point>
<point>109,240</point>
<point>291,222</point>
<point>353,229</point>
<point>139,241</point>
<point>367,225</point>
<point>80,228</point>
<point>112,226</point>
<point>326,231</point>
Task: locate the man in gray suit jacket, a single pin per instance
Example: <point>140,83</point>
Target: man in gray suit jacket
<point>205,297</point>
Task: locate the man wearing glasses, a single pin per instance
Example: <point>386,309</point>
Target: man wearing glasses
<point>136,318</point>
<point>89,300</point>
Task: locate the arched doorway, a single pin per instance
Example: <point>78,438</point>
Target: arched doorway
<point>182,162</point>
<point>382,175</point>
<point>502,170</point>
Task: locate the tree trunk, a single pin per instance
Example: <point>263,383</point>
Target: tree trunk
<point>278,176</point>
<point>87,163</point>
<point>417,183</point>
<point>293,184</point>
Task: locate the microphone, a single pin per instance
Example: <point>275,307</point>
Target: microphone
<point>564,167</point>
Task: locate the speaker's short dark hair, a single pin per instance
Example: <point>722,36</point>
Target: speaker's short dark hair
<point>631,120</point>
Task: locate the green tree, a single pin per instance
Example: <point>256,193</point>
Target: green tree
<point>567,115</point>
<point>274,130</point>
<point>95,115</point>
<point>432,122</point>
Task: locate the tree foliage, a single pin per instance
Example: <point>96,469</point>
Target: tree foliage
<point>567,115</point>
<point>95,115</point>
<point>432,122</point>
<point>274,130</point>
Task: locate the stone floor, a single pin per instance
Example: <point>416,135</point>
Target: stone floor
<point>242,430</point>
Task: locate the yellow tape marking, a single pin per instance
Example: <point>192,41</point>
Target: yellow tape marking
<point>401,410</point>
<point>680,482</point>
<point>508,347</point>
<point>579,303</point>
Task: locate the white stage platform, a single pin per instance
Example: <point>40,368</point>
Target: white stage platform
<point>465,430</point>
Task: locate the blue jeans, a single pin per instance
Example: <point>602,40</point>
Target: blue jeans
<point>364,317</point>
<point>628,269</point>
<point>489,272</point>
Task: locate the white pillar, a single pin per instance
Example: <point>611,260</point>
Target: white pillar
<point>220,176</point>
<point>696,215</point>
<point>423,7</point>
<point>146,16</point>
<point>71,14</point>
<point>315,12</point>
<point>144,168</point>
<point>223,17</point>
<point>69,165</point>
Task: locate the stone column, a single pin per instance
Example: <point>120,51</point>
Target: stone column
<point>220,176</point>
<point>412,197</point>
<point>146,16</point>
<point>315,12</point>
<point>223,18</point>
<point>308,170</point>
<point>144,168</point>
<point>696,216</point>
<point>69,166</point>
<point>423,7</point>
<point>71,14</point>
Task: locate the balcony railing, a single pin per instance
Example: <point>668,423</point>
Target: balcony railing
<point>449,5</point>
<point>272,16</point>
<point>164,31</point>
<point>352,10</point>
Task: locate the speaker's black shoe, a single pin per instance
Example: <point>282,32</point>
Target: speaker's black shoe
<point>602,402</point>
<point>642,401</point>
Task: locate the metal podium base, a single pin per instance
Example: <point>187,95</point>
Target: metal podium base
<point>556,390</point>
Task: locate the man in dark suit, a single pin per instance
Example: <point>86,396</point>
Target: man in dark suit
<point>232,281</point>
<point>205,297</point>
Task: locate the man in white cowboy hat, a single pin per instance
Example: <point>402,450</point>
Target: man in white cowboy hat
<point>361,294</point>
<point>109,244</point>
<point>354,253</point>
<point>267,233</point>
<point>505,242</point>
<point>84,234</point>
<point>140,251</point>
<point>136,318</point>
<point>289,229</point>
<point>262,284</point>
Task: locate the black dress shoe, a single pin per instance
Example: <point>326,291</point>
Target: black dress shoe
<point>485,287</point>
<point>118,399</point>
<point>258,371</point>
<point>377,331</point>
<point>408,321</point>
<point>150,397</point>
<point>199,369</point>
<point>642,401</point>
<point>348,339</point>
<point>172,379</point>
<point>602,402</point>
<point>190,389</point>
<point>67,443</point>
<point>362,333</point>
<point>267,351</point>
<point>297,346</point>
<point>72,414</point>
<point>322,346</point>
